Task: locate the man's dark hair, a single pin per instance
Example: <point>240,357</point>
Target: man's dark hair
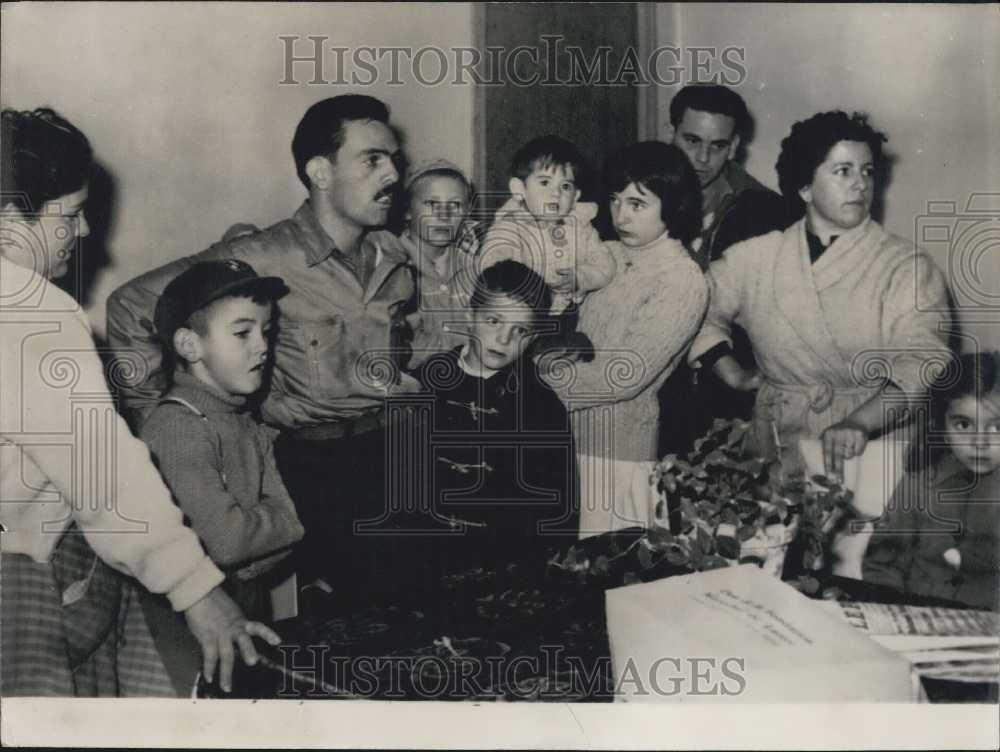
<point>719,100</point>
<point>665,171</point>
<point>515,280</point>
<point>807,145</point>
<point>548,151</point>
<point>44,156</point>
<point>320,132</point>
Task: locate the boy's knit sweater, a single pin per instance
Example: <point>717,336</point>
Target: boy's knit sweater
<point>222,473</point>
<point>571,243</point>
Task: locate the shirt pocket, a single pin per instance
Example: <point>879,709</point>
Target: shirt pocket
<point>330,357</point>
<point>308,352</point>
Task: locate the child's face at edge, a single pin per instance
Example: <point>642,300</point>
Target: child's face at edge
<point>500,333</point>
<point>437,208</point>
<point>232,353</point>
<point>972,430</point>
<point>549,192</point>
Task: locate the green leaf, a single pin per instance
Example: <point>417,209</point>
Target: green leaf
<point>728,547</point>
<point>602,565</point>
<point>659,537</point>
<point>645,557</point>
<point>677,556</point>
<point>729,516</point>
<point>705,541</point>
<point>713,562</point>
<point>695,555</point>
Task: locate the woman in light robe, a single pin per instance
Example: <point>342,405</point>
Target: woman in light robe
<point>848,323</point>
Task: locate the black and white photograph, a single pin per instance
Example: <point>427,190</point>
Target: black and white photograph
<point>500,375</point>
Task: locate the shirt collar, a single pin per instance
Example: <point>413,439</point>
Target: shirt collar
<point>423,262</point>
<point>483,373</point>
<point>318,245</point>
<point>719,190</point>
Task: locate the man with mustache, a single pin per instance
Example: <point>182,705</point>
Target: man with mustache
<point>709,123</point>
<point>335,360</point>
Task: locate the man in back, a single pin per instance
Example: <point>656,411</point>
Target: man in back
<point>709,123</point>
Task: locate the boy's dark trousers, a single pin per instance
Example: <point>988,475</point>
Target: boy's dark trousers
<point>345,491</point>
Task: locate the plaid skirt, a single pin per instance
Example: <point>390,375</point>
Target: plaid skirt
<point>72,626</point>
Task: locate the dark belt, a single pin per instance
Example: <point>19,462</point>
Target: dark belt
<point>340,429</point>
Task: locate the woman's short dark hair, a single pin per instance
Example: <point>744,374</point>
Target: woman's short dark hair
<point>44,156</point>
<point>807,145</point>
<point>320,132</point>
<point>663,170</point>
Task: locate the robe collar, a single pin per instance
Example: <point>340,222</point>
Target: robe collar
<point>797,290</point>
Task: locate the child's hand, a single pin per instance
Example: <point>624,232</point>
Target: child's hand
<point>736,376</point>
<point>567,281</point>
<point>415,321</point>
<point>841,442</point>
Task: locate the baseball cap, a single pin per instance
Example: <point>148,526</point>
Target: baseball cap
<point>429,165</point>
<point>205,282</point>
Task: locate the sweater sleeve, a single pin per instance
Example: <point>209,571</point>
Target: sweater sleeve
<point>980,552</point>
<point>186,451</point>
<point>275,495</point>
<point>595,264</point>
<point>638,333</point>
<point>980,545</point>
<point>726,279</point>
<point>915,319</point>
<point>133,526</point>
<point>503,242</point>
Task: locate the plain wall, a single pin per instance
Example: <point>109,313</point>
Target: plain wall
<point>928,75</point>
<point>183,107</point>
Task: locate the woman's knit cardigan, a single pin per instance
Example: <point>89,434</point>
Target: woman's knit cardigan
<point>641,325</point>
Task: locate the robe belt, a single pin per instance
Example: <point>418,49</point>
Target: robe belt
<point>819,396</point>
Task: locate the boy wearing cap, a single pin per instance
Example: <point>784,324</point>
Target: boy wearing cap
<point>442,244</point>
<point>215,323</point>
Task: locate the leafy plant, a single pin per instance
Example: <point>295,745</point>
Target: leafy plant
<point>719,506</point>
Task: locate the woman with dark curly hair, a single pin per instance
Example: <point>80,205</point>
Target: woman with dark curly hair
<point>640,326</point>
<point>844,318</point>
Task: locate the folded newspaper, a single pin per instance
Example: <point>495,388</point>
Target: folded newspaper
<point>956,644</point>
<point>739,635</point>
